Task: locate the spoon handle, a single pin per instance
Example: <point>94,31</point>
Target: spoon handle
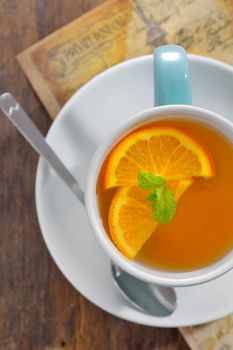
<point>15,113</point>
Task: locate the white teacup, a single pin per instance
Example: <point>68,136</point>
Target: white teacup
<point>143,272</point>
<point>171,74</point>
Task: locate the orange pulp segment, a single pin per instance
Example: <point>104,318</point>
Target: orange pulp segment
<point>130,218</point>
<point>162,150</point>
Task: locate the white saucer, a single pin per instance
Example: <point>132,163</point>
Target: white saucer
<point>82,123</point>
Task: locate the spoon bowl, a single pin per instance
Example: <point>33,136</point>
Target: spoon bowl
<point>149,298</point>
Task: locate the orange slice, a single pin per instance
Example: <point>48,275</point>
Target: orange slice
<point>165,151</point>
<point>131,221</point>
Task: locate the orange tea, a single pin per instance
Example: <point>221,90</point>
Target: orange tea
<point>200,180</point>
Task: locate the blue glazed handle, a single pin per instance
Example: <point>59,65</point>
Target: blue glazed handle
<point>171,76</point>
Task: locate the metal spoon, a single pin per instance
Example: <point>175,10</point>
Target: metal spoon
<point>151,299</point>
<point>147,297</point>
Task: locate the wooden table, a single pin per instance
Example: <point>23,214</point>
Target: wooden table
<point>39,309</point>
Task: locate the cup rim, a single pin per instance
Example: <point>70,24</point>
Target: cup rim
<point>138,270</point>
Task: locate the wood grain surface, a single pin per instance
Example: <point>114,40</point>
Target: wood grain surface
<point>39,309</point>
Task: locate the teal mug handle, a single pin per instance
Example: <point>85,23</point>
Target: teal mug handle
<point>171,76</point>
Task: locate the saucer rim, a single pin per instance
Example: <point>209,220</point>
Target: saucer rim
<point>82,89</point>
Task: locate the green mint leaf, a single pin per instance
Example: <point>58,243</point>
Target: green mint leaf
<point>155,195</point>
<point>161,198</point>
<point>149,181</point>
<point>164,209</point>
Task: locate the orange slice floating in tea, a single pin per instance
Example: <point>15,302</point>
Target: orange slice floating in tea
<point>131,221</point>
<point>165,151</point>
